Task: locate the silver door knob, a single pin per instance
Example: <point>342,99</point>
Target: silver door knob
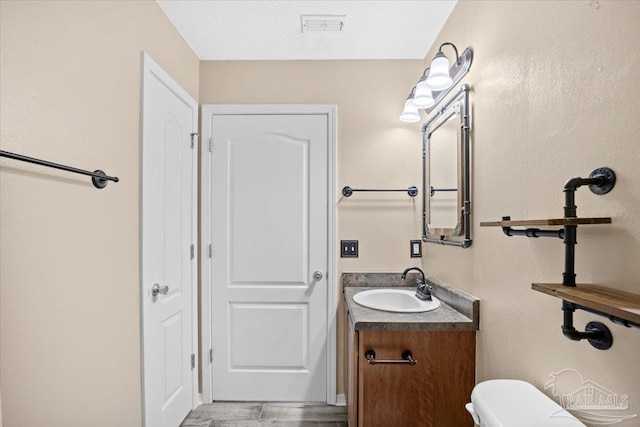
<point>318,275</point>
<point>157,289</point>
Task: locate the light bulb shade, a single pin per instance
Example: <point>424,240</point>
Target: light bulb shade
<point>410,113</point>
<point>423,97</point>
<point>439,78</point>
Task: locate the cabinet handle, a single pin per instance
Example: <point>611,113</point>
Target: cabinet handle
<point>407,358</point>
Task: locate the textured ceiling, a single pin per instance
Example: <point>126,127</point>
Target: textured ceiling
<point>255,30</point>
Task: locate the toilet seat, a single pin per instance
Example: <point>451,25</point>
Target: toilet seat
<point>515,403</point>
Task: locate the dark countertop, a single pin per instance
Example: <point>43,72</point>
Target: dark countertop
<point>448,317</point>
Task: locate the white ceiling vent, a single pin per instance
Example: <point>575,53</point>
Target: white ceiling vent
<point>320,23</point>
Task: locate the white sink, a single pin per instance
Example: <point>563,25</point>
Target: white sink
<point>396,300</point>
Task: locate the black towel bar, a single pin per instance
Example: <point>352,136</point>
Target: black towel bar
<point>348,191</point>
<point>98,177</point>
<point>435,190</point>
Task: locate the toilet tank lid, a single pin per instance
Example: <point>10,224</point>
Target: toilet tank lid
<point>504,403</point>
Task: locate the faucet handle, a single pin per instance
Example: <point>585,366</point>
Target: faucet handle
<point>423,291</point>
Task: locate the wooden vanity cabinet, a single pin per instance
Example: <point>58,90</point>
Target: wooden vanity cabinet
<point>431,393</point>
<point>351,377</point>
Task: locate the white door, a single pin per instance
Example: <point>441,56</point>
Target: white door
<point>269,259</point>
<point>168,231</point>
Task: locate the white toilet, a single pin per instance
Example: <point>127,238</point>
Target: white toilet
<point>514,403</point>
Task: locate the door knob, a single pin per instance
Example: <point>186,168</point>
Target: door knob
<point>156,289</point>
<point>318,275</point>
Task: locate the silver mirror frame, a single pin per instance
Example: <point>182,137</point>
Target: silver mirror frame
<point>444,117</point>
<point>458,104</point>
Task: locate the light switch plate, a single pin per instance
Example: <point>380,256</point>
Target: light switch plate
<point>348,248</point>
<point>416,249</point>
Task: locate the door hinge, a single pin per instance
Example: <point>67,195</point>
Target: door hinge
<point>194,135</point>
<point>211,145</point>
<point>210,250</point>
<point>210,355</point>
<point>193,251</point>
<point>193,361</point>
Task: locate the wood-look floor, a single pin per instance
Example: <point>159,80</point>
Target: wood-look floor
<point>250,414</point>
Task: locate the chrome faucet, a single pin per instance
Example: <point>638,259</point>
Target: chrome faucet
<point>423,291</point>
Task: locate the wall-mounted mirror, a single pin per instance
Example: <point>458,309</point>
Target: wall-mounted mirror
<point>446,181</point>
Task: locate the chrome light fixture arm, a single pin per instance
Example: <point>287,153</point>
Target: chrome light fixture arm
<point>454,48</point>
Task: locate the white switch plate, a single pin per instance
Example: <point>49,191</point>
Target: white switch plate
<point>416,248</point>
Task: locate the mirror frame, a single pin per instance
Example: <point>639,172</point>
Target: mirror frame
<point>458,104</point>
<point>454,109</point>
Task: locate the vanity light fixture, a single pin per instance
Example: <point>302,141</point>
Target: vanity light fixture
<point>423,97</point>
<point>439,78</point>
<point>410,113</point>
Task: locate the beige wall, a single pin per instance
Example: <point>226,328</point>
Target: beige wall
<point>374,148</point>
<point>556,93</point>
<point>70,92</point>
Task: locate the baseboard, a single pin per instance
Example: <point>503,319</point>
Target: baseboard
<point>341,400</point>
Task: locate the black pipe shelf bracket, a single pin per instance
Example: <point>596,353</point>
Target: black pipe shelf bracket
<point>348,191</point>
<point>622,308</point>
<point>98,177</point>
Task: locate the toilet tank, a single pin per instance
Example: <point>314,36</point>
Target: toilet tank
<point>515,403</point>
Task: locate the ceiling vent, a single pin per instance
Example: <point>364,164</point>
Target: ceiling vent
<point>322,23</point>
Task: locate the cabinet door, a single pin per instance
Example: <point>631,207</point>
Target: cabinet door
<point>431,393</point>
<point>352,373</point>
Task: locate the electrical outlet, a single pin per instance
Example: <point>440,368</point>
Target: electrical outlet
<point>416,249</point>
<point>348,248</point>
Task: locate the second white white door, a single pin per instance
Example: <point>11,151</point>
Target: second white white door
<point>168,233</point>
<point>269,258</point>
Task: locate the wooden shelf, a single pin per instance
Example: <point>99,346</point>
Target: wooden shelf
<point>623,305</point>
<point>543,222</point>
